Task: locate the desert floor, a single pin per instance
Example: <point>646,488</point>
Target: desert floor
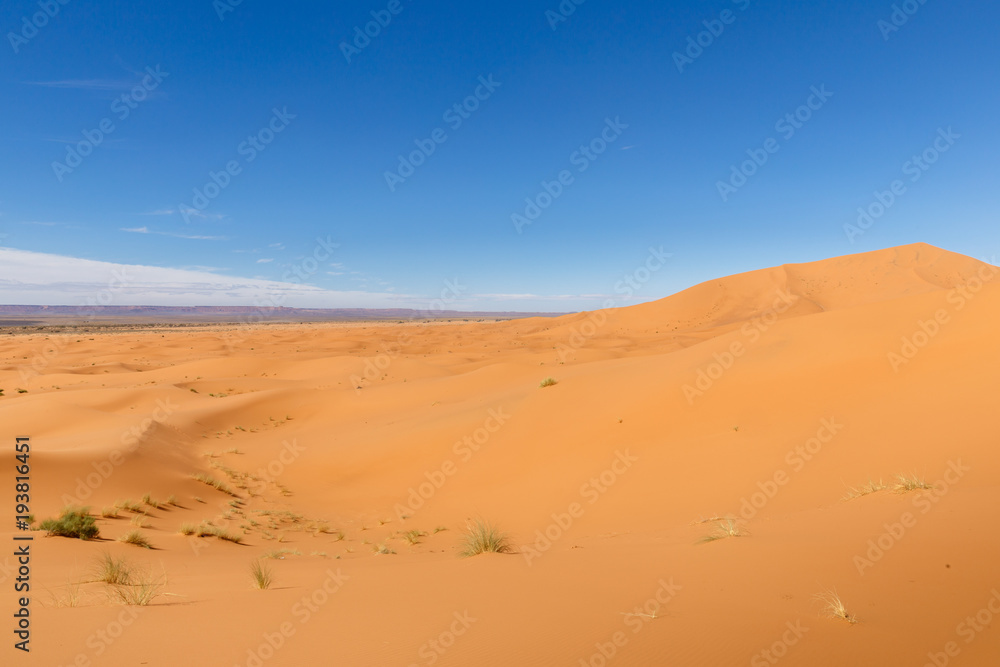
<point>751,404</point>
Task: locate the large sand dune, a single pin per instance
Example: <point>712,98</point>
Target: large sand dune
<point>761,398</point>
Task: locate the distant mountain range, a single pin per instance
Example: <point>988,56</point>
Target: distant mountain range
<point>21,315</point>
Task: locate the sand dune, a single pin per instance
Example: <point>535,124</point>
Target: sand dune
<point>762,398</point>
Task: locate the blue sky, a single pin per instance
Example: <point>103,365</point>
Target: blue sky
<point>188,89</point>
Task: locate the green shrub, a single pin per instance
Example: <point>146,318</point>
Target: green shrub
<point>73,522</point>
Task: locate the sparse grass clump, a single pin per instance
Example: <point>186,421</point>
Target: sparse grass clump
<point>136,538</point>
<point>72,597</point>
<point>906,483</point>
<point>279,554</point>
<point>139,521</point>
<point>215,483</point>
<point>205,530</point>
<point>901,484</point>
<point>228,537</point>
<point>548,382</point>
<point>483,537</point>
<point>260,575</point>
<point>834,607</point>
<point>73,522</point>
<point>871,487</point>
<point>111,570</point>
<point>109,513</point>
<point>139,591</point>
<point>413,536</point>
<point>148,500</point>
<point>724,529</point>
<point>130,506</point>
<point>383,549</point>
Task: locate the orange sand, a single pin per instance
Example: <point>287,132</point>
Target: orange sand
<point>780,383</point>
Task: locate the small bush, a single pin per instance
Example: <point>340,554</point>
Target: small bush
<point>109,513</point>
<point>73,522</point>
<point>483,537</point>
<point>548,382</point>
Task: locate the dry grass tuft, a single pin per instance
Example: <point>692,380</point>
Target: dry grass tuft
<point>869,488</point>
<point>724,529</point>
<point>215,484</point>
<point>260,575</point>
<point>483,537</point>
<point>413,536</point>
<point>834,607</point>
<point>140,591</point>
<point>136,538</point>
<point>130,506</point>
<point>905,483</point>
<point>228,537</point>
<point>111,570</point>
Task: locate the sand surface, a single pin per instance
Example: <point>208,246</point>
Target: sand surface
<point>762,398</point>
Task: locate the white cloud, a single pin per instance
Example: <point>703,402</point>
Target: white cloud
<point>189,212</point>
<point>84,84</point>
<point>32,278</point>
<point>264,261</point>
<point>147,230</point>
